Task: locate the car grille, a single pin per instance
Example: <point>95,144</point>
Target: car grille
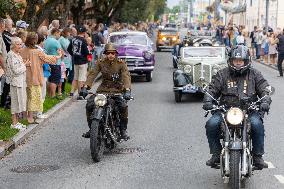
<point>197,74</point>
<point>133,61</point>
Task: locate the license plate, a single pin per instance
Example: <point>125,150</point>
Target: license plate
<point>131,68</point>
<point>189,89</point>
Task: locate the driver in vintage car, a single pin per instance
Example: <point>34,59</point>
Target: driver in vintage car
<point>115,79</point>
<point>238,81</point>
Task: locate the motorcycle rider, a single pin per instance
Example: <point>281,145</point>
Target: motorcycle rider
<point>231,84</point>
<point>115,79</point>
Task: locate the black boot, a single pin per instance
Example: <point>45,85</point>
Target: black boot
<point>214,160</point>
<point>258,162</point>
<point>86,135</point>
<point>123,135</point>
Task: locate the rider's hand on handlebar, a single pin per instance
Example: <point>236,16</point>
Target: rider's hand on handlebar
<point>264,107</point>
<point>127,95</point>
<point>208,106</point>
<point>84,92</point>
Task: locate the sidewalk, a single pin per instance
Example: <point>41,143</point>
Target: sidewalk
<point>7,146</point>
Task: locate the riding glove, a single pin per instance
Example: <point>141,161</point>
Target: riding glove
<point>264,107</point>
<point>127,95</point>
<point>207,106</point>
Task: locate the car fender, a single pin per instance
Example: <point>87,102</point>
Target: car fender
<point>98,113</point>
<point>180,78</point>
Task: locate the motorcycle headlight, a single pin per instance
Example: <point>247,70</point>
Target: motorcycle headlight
<point>164,39</point>
<point>147,55</point>
<point>187,69</point>
<point>186,45</point>
<point>235,116</point>
<point>174,38</point>
<point>100,100</point>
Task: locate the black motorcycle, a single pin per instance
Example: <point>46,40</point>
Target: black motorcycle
<point>236,156</point>
<point>104,131</point>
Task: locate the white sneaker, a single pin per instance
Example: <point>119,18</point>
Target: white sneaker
<point>18,126</point>
<point>24,126</point>
<point>41,116</point>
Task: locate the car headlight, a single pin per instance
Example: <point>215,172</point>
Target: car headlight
<point>164,38</point>
<point>187,69</point>
<point>147,55</point>
<point>174,38</point>
<point>100,100</point>
<point>235,116</point>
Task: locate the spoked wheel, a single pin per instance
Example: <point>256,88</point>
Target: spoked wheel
<point>235,169</point>
<point>97,144</point>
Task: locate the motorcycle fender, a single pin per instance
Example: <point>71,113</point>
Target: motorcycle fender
<point>98,113</point>
<point>180,78</point>
<point>236,145</point>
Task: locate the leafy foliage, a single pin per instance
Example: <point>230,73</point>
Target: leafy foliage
<point>9,7</point>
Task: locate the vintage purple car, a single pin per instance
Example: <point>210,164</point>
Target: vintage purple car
<point>136,49</point>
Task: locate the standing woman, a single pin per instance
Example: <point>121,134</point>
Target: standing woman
<point>16,74</point>
<point>35,77</point>
<point>272,49</point>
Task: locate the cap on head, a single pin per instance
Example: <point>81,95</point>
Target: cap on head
<point>81,29</point>
<point>22,24</point>
<point>110,48</point>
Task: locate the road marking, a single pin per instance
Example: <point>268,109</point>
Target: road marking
<point>280,178</point>
<point>270,165</point>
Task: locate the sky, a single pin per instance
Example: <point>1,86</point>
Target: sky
<point>172,3</point>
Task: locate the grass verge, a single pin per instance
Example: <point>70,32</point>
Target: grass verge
<point>6,133</point>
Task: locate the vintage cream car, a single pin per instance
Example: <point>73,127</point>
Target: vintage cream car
<point>196,67</point>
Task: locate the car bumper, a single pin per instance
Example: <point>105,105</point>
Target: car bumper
<point>134,69</point>
<point>188,89</point>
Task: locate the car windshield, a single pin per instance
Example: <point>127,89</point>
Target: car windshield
<point>215,52</point>
<point>168,32</point>
<point>170,26</point>
<point>128,39</point>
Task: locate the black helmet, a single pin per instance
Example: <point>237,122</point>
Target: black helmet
<point>240,52</point>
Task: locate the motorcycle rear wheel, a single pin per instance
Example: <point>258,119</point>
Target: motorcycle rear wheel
<point>97,144</point>
<point>235,169</point>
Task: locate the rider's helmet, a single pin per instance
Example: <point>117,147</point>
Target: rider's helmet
<point>110,48</point>
<point>240,52</point>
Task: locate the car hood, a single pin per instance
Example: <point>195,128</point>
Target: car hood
<point>131,50</point>
<point>210,61</point>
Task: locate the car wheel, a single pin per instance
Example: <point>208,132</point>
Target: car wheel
<point>174,63</point>
<point>149,76</point>
<point>178,95</point>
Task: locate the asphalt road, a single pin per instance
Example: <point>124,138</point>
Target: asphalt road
<point>167,150</point>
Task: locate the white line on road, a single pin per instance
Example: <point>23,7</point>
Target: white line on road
<point>280,178</point>
<point>270,165</point>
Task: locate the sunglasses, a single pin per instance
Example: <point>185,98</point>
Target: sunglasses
<point>113,53</point>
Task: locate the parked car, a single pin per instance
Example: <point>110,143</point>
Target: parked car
<point>196,67</point>
<point>167,39</point>
<point>136,49</point>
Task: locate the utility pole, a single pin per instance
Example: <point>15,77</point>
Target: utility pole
<point>266,14</point>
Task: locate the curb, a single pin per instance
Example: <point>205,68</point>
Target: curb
<point>267,65</point>
<point>20,137</point>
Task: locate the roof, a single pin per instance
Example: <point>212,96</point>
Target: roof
<point>128,32</point>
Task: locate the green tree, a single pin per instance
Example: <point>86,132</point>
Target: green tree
<point>9,7</point>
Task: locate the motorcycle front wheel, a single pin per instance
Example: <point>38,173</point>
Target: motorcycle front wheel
<point>235,169</point>
<point>97,144</point>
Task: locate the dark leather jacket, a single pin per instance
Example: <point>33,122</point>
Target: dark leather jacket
<point>230,88</point>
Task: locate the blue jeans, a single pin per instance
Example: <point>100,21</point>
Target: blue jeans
<point>213,133</point>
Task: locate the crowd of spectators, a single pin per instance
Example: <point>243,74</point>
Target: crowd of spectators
<point>266,46</point>
<point>34,64</point>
